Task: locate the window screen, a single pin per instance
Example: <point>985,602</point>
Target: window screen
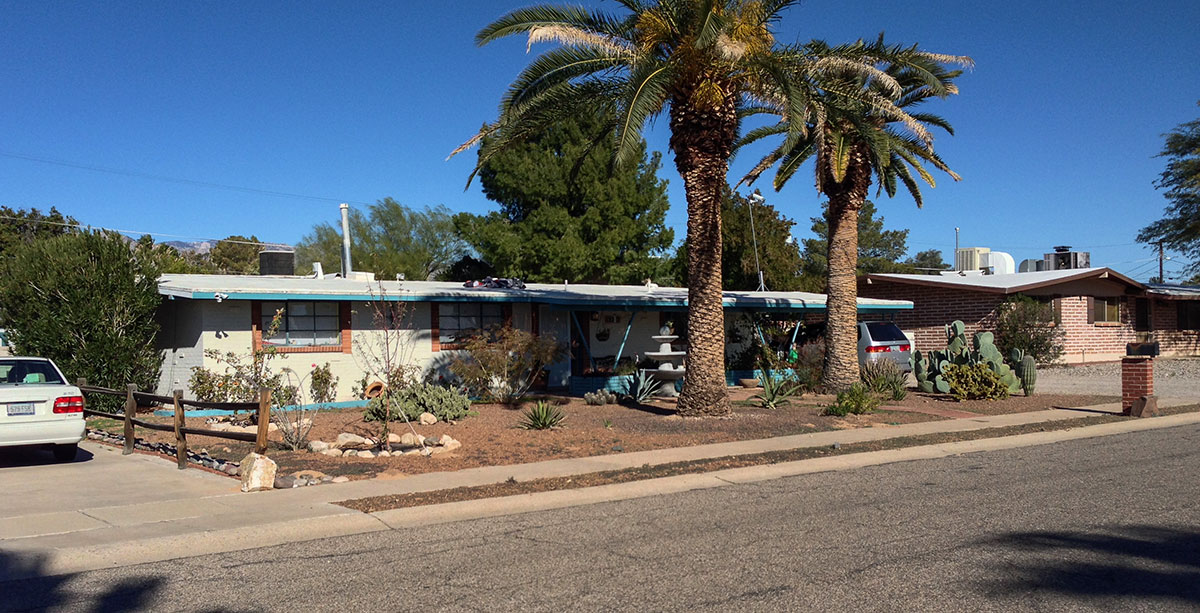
<point>303,323</point>
<point>458,320</point>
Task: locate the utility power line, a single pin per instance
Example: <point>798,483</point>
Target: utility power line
<point>80,226</point>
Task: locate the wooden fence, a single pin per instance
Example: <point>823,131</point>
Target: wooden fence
<point>133,396</point>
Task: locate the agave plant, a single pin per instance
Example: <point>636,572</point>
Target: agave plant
<point>643,386</point>
<point>542,416</point>
<point>776,391</point>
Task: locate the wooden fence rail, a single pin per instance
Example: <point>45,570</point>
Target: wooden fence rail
<point>132,396</point>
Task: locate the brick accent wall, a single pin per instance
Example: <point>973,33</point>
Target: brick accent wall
<point>1137,379</point>
<point>934,307</point>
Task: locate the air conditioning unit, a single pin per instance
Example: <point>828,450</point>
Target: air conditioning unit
<point>969,258</point>
<point>1065,259</point>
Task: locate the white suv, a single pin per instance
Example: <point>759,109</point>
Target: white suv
<point>37,407</point>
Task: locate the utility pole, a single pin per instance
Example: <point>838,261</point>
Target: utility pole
<point>1161,278</point>
<point>756,197</point>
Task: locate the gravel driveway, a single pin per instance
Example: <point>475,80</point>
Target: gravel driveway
<point>1173,378</point>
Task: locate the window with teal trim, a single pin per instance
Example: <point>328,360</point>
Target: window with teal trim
<point>302,324</point>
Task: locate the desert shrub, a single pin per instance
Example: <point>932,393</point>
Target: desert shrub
<point>87,301</point>
<point>409,402</point>
<point>501,364</point>
<point>322,384</point>
<point>643,386</point>
<point>809,364</point>
<point>885,378</point>
<point>358,389</point>
<point>974,382</point>
<point>541,416</point>
<point>1031,326</point>
<point>856,400</point>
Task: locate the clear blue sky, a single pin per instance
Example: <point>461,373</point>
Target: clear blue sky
<point>1057,126</point>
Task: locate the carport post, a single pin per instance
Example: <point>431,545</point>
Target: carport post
<point>180,437</point>
<point>621,349</point>
<point>130,410</point>
<point>264,420</point>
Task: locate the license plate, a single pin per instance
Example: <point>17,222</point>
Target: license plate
<point>22,408</point>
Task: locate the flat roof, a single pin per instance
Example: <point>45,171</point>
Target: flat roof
<point>1007,283</point>
<point>262,287</point>
<point>1173,291</point>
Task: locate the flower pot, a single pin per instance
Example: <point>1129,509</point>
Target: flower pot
<point>748,382</point>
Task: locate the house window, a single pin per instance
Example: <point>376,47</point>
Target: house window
<point>1188,315</point>
<point>1106,310</point>
<point>459,320</point>
<point>302,324</point>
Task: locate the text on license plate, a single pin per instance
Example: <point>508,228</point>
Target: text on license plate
<point>20,408</point>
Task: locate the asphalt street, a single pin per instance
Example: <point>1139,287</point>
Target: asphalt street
<point>1106,523</point>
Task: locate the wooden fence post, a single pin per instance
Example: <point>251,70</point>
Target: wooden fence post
<point>180,437</point>
<point>130,410</point>
<point>264,420</point>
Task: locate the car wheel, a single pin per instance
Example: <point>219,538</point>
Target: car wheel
<point>65,453</point>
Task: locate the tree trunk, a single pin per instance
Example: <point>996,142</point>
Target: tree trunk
<point>702,141</point>
<point>841,329</point>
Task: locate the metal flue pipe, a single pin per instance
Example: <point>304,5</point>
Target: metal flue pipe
<point>346,266</point>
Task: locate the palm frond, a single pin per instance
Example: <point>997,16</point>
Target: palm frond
<point>576,37</point>
<point>646,93</point>
<point>558,66</point>
<point>525,20</point>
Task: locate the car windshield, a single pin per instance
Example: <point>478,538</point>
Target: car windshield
<point>884,332</point>
<point>17,372</point>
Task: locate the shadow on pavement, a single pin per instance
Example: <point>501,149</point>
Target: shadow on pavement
<point>36,455</point>
<point>1128,561</point>
<point>24,586</point>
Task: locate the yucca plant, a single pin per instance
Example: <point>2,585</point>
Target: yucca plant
<point>643,386</point>
<point>542,416</point>
<point>776,392</point>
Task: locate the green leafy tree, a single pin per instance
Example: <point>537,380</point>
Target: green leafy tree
<point>236,255</point>
<point>1179,229</point>
<point>777,252</point>
<point>567,213</point>
<point>388,239</point>
<point>695,61</point>
<point>20,226</point>
<point>879,250</point>
<point>1031,326</point>
<point>859,130</point>
<point>86,301</point>
<point>927,261</point>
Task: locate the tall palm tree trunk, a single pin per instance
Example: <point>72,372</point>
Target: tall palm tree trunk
<point>841,330</point>
<point>703,141</point>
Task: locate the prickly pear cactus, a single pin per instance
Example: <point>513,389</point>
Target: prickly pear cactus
<point>961,351</point>
<point>1028,374</point>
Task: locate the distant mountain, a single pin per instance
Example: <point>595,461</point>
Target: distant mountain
<point>200,247</point>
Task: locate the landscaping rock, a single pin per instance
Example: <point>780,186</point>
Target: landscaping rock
<point>411,440</point>
<point>451,445</point>
<point>384,454</point>
<point>311,475</point>
<point>341,479</point>
<point>258,473</point>
<point>364,454</point>
<point>394,438</point>
<point>332,452</point>
<point>287,482</point>
<point>232,469</point>
<point>317,446</point>
<point>427,419</point>
<point>347,440</point>
<point>349,453</point>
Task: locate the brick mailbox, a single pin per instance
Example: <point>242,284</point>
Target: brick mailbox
<point>1137,382</point>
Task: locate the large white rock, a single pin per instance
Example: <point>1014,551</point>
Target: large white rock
<point>347,440</point>
<point>427,419</point>
<point>337,453</point>
<point>394,438</point>
<point>258,473</point>
<point>317,446</point>
<point>365,454</point>
<point>410,440</point>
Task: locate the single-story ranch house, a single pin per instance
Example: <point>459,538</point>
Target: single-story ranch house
<point>1100,309</point>
<point>330,319</point>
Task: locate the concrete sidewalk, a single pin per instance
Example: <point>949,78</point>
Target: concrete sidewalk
<point>201,513</point>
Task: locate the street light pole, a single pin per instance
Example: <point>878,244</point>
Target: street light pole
<point>754,198</point>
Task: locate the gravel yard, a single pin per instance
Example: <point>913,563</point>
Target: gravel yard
<point>1173,378</point>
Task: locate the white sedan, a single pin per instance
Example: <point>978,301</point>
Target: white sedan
<point>37,407</point>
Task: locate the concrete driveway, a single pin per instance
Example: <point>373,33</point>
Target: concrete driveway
<point>40,494</point>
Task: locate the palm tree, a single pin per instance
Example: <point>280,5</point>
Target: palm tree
<point>860,130</point>
<point>702,60</point>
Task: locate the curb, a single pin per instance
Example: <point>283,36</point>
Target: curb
<point>344,522</point>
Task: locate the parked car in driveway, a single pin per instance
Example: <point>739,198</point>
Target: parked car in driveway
<point>37,407</point>
<point>882,340</point>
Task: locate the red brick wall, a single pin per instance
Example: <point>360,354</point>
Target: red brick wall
<point>934,307</point>
<point>1086,342</point>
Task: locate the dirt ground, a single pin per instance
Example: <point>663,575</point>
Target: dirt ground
<point>490,436</point>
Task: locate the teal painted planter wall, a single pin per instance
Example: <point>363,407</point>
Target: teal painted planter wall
<point>732,376</point>
<point>579,386</point>
<point>327,406</point>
